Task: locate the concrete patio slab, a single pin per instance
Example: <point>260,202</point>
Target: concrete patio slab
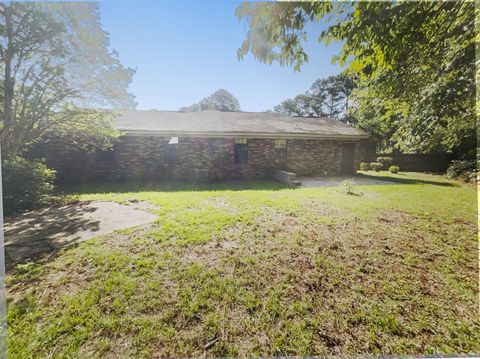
<point>335,181</point>
<point>41,231</point>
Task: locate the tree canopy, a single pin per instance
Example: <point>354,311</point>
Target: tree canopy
<point>414,61</point>
<point>55,69</point>
<point>220,100</point>
<point>326,97</point>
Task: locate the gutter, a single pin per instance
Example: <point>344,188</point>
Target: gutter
<point>268,135</point>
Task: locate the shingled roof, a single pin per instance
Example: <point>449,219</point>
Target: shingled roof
<point>228,124</point>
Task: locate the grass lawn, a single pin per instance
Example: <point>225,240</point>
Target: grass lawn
<point>259,269</point>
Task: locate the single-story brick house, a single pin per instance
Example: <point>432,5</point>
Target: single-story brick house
<point>213,145</point>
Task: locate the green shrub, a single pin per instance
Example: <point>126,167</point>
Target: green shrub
<point>394,169</point>
<point>365,166</point>
<point>465,170</point>
<point>376,166</point>
<point>385,161</point>
<point>26,184</point>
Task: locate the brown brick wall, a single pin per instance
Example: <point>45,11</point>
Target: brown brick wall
<point>143,157</point>
<point>314,157</point>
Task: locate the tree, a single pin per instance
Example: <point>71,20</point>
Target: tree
<point>289,107</point>
<point>326,98</point>
<point>220,100</point>
<point>378,116</point>
<point>303,105</point>
<point>418,58</point>
<point>334,92</point>
<point>55,69</point>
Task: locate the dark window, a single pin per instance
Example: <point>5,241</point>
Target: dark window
<point>171,151</point>
<point>105,155</point>
<point>241,151</point>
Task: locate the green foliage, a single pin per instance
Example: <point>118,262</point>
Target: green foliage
<point>385,161</point>
<point>376,166</point>
<point>415,63</point>
<point>93,69</point>
<point>56,64</point>
<point>85,129</point>
<point>465,170</point>
<point>294,106</point>
<point>394,169</point>
<point>26,184</point>
<point>326,97</point>
<point>378,117</point>
<point>365,166</point>
<point>276,30</point>
<point>220,100</point>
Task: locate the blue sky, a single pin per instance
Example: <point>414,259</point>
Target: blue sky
<point>185,50</point>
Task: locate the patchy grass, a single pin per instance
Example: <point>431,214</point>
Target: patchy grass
<point>257,270</point>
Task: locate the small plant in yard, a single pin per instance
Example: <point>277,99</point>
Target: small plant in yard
<point>394,169</point>
<point>376,166</point>
<point>365,166</point>
<point>348,185</point>
<point>385,161</point>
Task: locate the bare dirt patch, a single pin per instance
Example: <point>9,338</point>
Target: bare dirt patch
<point>221,204</point>
<point>396,217</point>
<point>317,208</point>
<point>143,206</point>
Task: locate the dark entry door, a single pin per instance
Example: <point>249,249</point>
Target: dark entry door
<point>348,154</point>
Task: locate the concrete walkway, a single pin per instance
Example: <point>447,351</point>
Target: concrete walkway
<point>39,232</point>
<point>335,181</point>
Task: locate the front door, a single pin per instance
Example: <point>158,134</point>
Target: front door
<point>348,154</point>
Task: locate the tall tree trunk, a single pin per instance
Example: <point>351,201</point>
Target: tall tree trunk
<point>8,87</point>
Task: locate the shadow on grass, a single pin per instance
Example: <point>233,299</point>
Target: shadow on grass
<point>29,268</point>
<point>408,180</point>
<point>169,186</point>
<point>28,235</point>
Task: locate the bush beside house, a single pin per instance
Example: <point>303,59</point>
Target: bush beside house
<point>376,166</point>
<point>26,184</point>
<point>465,170</point>
<point>365,166</point>
<point>394,169</point>
<point>385,161</point>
